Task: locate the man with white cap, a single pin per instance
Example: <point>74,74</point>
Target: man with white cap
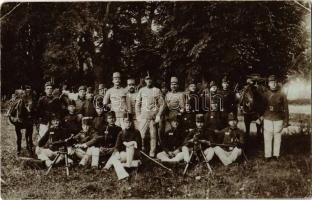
<point>175,101</point>
<point>116,97</point>
<point>149,107</point>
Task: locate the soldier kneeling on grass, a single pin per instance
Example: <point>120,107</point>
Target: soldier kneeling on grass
<point>199,136</point>
<point>233,140</point>
<point>84,142</point>
<point>172,142</point>
<point>50,142</point>
<point>128,145</point>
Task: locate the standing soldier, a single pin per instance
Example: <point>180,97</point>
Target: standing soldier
<point>213,116</point>
<point>175,101</point>
<point>149,107</point>
<point>90,94</point>
<point>193,97</point>
<point>131,98</point>
<point>162,122</point>
<point>46,107</point>
<point>84,106</point>
<point>116,97</point>
<point>276,118</point>
<point>228,100</point>
<point>72,122</point>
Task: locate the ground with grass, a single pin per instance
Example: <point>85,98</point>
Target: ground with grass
<point>288,177</point>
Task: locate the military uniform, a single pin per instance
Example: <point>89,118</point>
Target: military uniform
<point>149,107</point>
<point>213,116</point>
<point>196,135</point>
<point>131,99</point>
<point>84,106</point>
<point>116,97</point>
<point>276,116</point>
<point>47,145</point>
<point>171,145</point>
<point>233,141</point>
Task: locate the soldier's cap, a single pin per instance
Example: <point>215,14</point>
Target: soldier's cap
<point>254,76</point>
<point>101,86</point>
<point>27,87</point>
<point>249,80</point>
<point>231,116</point>
<point>192,81</point>
<point>82,87</point>
<point>174,79</point>
<point>128,116</point>
<point>48,84</point>
<point>19,92</point>
<point>130,80</point>
<point>111,114</point>
<point>86,121</point>
<point>272,78</point>
<point>225,79</point>
<point>200,118</point>
<point>212,83</point>
<point>116,75</point>
<point>71,103</point>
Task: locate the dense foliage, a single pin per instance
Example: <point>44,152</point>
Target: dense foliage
<point>77,43</point>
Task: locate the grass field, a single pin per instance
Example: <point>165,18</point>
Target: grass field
<point>288,178</point>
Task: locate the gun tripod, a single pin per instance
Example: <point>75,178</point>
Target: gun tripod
<point>59,153</point>
<point>197,152</point>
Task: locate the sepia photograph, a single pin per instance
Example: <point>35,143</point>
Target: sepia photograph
<point>156,99</point>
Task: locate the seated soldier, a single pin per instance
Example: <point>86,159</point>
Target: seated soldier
<point>188,118</point>
<point>50,142</point>
<point>172,142</point>
<point>233,140</point>
<point>108,138</point>
<point>71,119</point>
<point>99,121</point>
<point>85,139</point>
<point>128,145</point>
<point>198,136</point>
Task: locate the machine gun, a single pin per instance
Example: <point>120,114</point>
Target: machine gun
<point>197,152</point>
<point>62,150</point>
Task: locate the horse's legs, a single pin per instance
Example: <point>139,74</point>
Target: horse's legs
<point>28,135</point>
<point>18,139</point>
<point>247,121</point>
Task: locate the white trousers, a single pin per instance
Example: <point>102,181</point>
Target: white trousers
<point>209,153</point>
<point>227,157</point>
<point>272,132</point>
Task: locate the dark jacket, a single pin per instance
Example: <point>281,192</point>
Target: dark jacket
<point>91,138</point>
<point>173,139</point>
<point>188,121</point>
<point>232,136</point>
<point>53,137</point>
<point>85,107</point>
<point>109,136</point>
<point>47,106</point>
<point>128,136</point>
<point>72,124</point>
<point>99,123</point>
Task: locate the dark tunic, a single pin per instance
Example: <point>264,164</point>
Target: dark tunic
<point>72,123</point>
<point>128,136</point>
<point>173,139</point>
<point>52,137</point>
<point>91,138</point>
<point>202,134</point>
<point>232,136</point>
<point>47,106</point>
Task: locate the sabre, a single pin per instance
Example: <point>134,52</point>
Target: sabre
<point>160,164</point>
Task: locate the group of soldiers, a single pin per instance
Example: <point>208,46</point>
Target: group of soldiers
<point>113,125</point>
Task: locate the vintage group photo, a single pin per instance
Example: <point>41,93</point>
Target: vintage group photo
<point>156,99</point>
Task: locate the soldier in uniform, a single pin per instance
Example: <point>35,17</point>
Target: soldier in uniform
<point>89,94</point>
<point>116,97</point>
<point>99,121</point>
<point>149,107</point>
<point>131,98</point>
<point>84,106</point>
<point>162,122</point>
<point>46,107</point>
<point>47,146</point>
<point>198,134</point>
<point>232,142</point>
<point>213,116</point>
<point>228,100</point>
<point>188,118</point>
<point>193,97</point>
<point>72,122</point>
<point>276,116</point>
<point>172,142</point>
<point>175,101</point>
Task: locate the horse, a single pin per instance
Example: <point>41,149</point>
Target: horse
<point>21,115</point>
<point>252,107</point>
